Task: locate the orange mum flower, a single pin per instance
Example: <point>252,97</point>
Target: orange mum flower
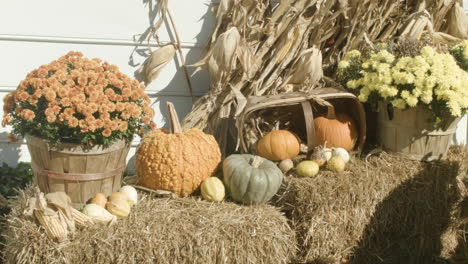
<point>42,72</point>
<point>123,126</point>
<point>111,107</point>
<point>69,111</point>
<point>136,113</point>
<point>126,92</point>
<point>49,94</point>
<point>115,125</point>
<point>106,132</point>
<point>6,120</point>
<point>27,114</point>
<point>120,106</point>
<point>99,123</point>
<point>22,96</point>
<point>49,111</point>
<point>65,102</point>
<point>63,92</point>
<point>107,123</point>
<point>125,115</point>
<point>51,118</point>
<point>56,109</point>
<point>105,116</point>
<point>33,100</point>
<point>146,119</point>
<point>73,122</point>
<point>90,119</point>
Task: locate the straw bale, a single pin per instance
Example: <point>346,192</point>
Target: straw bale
<point>385,210</point>
<point>161,230</point>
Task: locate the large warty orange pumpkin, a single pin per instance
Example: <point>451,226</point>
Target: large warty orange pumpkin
<point>176,161</point>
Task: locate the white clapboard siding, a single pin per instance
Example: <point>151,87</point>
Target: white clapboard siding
<point>34,32</point>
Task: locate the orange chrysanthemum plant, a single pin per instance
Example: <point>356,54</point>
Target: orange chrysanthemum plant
<point>80,101</point>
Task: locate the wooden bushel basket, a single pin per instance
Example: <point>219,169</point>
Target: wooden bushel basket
<point>408,134</point>
<point>80,173</point>
<point>304,106</point>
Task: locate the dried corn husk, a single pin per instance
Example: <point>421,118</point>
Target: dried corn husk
<point>157,60</point>
<point>50,216</point>
<point>416,25</point>
<point>222,58</point>
<point>55,214</point>
<point>308,68</point>
<point>81,220</point>
<point>457,23</point>
<point>52,224</point>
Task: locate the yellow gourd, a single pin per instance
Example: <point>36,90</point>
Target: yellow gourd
<point>119,195</point>
<point>99,199</point>
<point>212,189</point>
<point>118,207</point>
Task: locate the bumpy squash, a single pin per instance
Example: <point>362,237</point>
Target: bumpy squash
<point>279,145</point>
<point>251,179</point>
<point>177,161</point>
<point>212,189</point>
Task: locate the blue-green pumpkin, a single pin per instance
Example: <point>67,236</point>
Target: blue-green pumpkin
<point>251,179</point>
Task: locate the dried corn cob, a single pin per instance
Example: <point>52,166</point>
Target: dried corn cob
<point>52,225</point>
<point>81,220</point>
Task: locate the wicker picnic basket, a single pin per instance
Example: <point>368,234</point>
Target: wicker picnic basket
<point>297,111</point>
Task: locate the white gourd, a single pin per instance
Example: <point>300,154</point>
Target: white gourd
<point>131,193</point>
<point>98,214</point>
<point>342,153</point>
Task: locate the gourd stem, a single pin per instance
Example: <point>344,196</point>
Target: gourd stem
<point>256,161</point>
<point>173,119</point>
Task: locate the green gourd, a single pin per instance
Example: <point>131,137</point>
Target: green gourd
<point>251,179</point>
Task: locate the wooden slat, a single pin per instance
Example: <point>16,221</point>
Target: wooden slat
<point>408,134</point>
<point>95,164</point>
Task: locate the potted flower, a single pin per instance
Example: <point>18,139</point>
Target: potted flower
<point>419,91</point>
<point>78,116</point>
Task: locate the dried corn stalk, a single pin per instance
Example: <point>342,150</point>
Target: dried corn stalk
<point>284,46</point>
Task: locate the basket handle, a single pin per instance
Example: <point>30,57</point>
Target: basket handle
<point>309,123</point>
<point>309,119</point>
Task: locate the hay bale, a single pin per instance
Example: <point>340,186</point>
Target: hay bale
<point>161,231</point>
<point>385,210</point>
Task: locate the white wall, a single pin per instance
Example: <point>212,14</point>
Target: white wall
<point>34,32</point>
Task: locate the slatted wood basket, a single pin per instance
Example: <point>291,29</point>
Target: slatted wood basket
<point>301,108</point>
<point>409,134</point>
<point>79,172</point>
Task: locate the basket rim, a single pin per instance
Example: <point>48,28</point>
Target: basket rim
<point>76,149</point>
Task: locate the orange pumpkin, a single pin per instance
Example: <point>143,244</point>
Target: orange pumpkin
<point>278,145</point>
<point>336,130</point>
<point>179,161</point>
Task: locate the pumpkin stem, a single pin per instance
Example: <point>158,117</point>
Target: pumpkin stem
<point>331,111</point>
<point>173,119</point>
<point>256,161</point>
